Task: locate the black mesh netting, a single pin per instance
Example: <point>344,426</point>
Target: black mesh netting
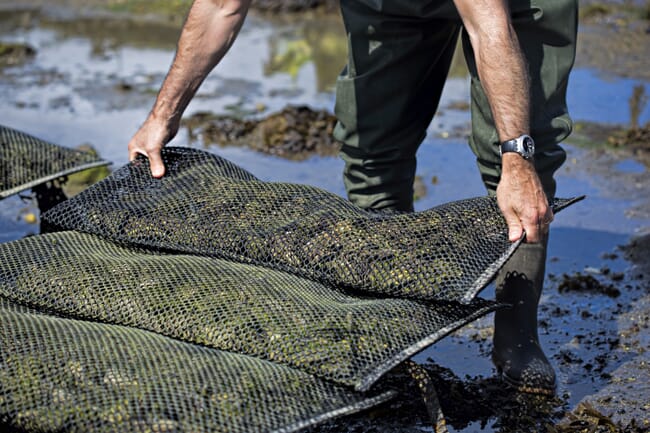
<point>66,375</point>
<point>26,161</point>
<point>211,301</point>
<point>230,306</point>
<point>208,206</point>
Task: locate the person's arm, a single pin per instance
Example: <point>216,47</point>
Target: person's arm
<point>504,76</point>
<point>209,31</point>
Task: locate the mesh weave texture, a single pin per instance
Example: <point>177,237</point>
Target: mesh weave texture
<point>206,205</point>
<point>226,305</point>
<point>211,301</point>
<point>26,161</point>
<point>65,375</point>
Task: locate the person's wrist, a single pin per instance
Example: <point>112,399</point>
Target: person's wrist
<point>513,159</point>
<point>522,144</point>
<point>515,168</point>
<point>163,117</point>
<point>162,125</point>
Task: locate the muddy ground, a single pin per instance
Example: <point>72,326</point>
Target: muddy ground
<point>611,349</point>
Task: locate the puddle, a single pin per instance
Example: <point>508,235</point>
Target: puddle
<point>593,96</point>
<point>93,81</point>
<point>13,221</point>
<point>629,166</point>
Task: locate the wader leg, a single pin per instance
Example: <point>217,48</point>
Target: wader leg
<point>386,98</point>
<point>547,34</point>
<point>517,353</point>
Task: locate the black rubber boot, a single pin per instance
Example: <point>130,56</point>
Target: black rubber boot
<point>517,353</point>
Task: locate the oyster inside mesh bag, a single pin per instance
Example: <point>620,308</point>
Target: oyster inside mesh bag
<point>27,161</point>
<point>206,205</point>
<point>272,315</point>
<point>60,374</point>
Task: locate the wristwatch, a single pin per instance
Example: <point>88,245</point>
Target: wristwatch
<point>523,145</point>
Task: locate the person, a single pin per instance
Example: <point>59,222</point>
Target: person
<point>519,54</point>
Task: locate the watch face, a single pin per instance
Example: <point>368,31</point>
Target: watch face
<point>528,146</point>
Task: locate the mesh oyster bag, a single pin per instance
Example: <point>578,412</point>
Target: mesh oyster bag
<point>241,308</point>
<point>60,374</point>
<point>211,301</point>
<point>27,161</point>
<point>206,205</point>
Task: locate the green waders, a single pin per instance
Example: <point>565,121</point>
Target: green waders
<point>399,54</point>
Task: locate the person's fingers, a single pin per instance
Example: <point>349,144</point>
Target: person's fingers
<point>548,217</point>
<point>151,152</point>
<point>133,152</point>
<point>515,228</point>
<point>532,233</point>
<point>156,164</point>
<point>545,223</point>
<point>536,226</point>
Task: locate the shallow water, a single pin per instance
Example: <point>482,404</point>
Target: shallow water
<point>94,82</point>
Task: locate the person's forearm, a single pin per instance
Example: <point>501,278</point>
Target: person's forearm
<point>501,65</point>
<point>208,33</point>
<point>504,77</point>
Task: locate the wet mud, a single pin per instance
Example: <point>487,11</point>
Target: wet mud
<point>613,37</point>
<point>15,54</point>
<point>595,322</point>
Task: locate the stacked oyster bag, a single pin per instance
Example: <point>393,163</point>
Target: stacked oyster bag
<point>27,161</point>
<point>210,300</point>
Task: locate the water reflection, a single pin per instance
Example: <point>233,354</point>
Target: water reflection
<point>320,42</point>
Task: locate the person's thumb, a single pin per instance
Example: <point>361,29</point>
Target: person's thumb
<point>156,164</point>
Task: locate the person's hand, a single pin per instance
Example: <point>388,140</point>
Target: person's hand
<point>522,200</point>
<point>149,141</point>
